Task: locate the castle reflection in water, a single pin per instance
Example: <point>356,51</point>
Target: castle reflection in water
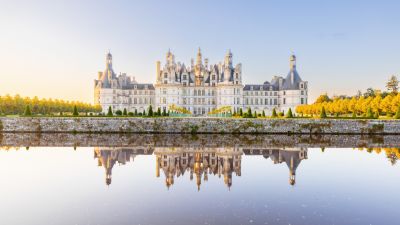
<point>198,162</point>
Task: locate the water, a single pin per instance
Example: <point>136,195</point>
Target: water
<point>204,179</point>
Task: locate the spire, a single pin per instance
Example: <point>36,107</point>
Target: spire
<point>109,60</point>
<point>199,58</point>
<point>228,59</point>
<point>292,62</point>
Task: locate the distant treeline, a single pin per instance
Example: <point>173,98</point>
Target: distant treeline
<point>16,105</point>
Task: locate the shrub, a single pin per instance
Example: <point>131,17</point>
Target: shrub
<point>130,114</point>
<point>150,111</point>
<point>159,111</point>
<point>118,112</point>
<point>136,112</point>
<point>397,116</point>
<point>376,116</point>
<point>109,113</point>
<point>289,113</point>
<point>263,114</point>
<point>281,114</point>
<point>240,112</point>
<point>354,115</point>
<point>75,113</point>
<point>369,113</point>
<point>125,113</point>
<point>323,112</point>
<point>164,112</point>
<point>249,114</point>
<point>27,111</point>
<point>274,115</point>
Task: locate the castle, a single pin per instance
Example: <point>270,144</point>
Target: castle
<point>199,87</point>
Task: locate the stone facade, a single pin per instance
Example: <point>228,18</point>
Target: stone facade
<point>200,88</point>
<point>200,125</point>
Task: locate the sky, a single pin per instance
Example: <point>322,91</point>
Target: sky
<point>55,48</point>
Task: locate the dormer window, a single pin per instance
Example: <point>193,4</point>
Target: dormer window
<point>184,77</point>
<point>135,86</point>
<point>301,86</point>
<point>165,75</point>
<point>251,87</point>
<point>213,77</point>
<point>145,86</point>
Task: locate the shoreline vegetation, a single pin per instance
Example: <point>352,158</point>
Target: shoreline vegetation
<point>373,104</point>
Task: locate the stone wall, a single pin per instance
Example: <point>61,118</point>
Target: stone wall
<point>198,125</point>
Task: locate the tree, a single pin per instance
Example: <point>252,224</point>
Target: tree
<point>164,112</point>
<point>274,115</point>
<point>369,113</point>
<point>75,113</point>
<point>397,116</point>
<point>150,111</point>
<point>255,114</point>
<point>369,93</point>
<point>136,112</point>
<point>323,98</point>
<point>240,112</point>
<point>109,113</point>
<point>289,113</point>
<point>376,115</point>
<point>263,113</point>
<point>125,112</point>
<point>27,111</point>
<point>159,111</point>
<point>393,84</point>
<point>323,112</point>
<point>249,114</point>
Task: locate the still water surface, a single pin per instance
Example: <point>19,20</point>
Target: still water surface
<point>199,180</point>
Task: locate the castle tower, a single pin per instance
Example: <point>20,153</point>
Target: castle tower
<point>158,71</point>
<point>109,61</point>
<point>198,69</point>
<point>228,66</point>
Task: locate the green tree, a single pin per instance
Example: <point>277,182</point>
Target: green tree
<point>109,113</point>
<point>136,112</point>
<point>369,113</point>
<point>323,112</point>
<point>255,114</point>
<point>150,111</point>
<point>376,115</point>
<point>125,113</point>
<point>159,111</point>
<point>263,113</point>
<point>27,111</point>
<point>289,113</point>
<point>75,113</point>
<point>397,116</point>
<point>164,112</point>
<point>274,115</point>
<point>240,112</point>
<point>249,113</point>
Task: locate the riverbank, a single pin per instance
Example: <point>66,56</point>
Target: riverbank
<point>197,125</point>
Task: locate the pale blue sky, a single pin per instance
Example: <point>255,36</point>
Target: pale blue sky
<point>55,48</point>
